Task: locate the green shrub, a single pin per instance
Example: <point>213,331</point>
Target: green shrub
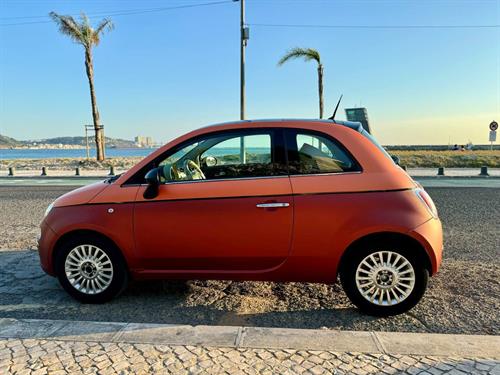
<point>449,159</point>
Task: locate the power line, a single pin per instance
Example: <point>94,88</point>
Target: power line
<point>162,9</point>
<point>116,13</point>
<point>492,26</point>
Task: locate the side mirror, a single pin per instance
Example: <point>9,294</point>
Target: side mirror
<point>153,180</point>
<point>396,159</point>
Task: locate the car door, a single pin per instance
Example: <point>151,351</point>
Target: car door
<point>238,218</point>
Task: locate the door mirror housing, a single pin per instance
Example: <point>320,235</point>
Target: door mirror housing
<point>153,176</point>
<point>153,180</point>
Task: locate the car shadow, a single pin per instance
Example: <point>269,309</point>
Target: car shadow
<point>26,292</point>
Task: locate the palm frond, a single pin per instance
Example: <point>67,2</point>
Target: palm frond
<point>104,25</point>
<point>81,32</point>
<point>85,20</point>
<point>68,26</point>
<point>87,30</point>
<point>307,54</point>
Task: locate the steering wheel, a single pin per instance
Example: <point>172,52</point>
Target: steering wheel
<point>174,172</point>
<point>193,170</point>
<point>169,172</point>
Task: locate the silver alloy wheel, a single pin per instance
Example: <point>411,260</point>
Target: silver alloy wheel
<point>385,278</point>
<point>88,269</point>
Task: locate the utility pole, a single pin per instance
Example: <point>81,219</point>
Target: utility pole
<point>244,36</point>
<point>243,43</point>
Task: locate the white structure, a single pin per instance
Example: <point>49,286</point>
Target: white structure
<point>142,141</point>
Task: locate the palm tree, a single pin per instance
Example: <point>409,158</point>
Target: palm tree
<point>308,54</point>
<point>83,33</point>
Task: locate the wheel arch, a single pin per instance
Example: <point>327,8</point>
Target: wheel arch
<point>392,238</point>
<point>86,232</point>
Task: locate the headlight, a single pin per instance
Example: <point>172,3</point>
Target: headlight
<point>48,209</point>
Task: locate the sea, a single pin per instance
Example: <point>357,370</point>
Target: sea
<point>110,152</point>
<point>71,153</point>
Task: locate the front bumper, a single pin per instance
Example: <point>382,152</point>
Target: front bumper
<point>430,235</point>
<point>46,244</point>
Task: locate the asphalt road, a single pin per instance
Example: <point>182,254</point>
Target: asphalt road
<point>463,298</point>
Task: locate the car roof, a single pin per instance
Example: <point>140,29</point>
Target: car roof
<point>345,131</point>
<point>276,122</point>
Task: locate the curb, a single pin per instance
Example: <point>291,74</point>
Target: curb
<point>394,343</point>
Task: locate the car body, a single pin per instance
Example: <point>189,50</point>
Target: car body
<point>275,212</point>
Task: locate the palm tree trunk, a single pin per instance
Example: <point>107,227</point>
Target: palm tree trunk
<point>320,89</point>
<point>99,132</point>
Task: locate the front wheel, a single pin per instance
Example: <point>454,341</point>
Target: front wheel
<point>384,282</point>
<point>91,269</point>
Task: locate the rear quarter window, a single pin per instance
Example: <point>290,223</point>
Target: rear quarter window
<point>317,153</point>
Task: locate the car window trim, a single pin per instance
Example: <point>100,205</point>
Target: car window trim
<point>325,174</point>
<point>221,179</point>
<point>277,139</point>
<point>290,133</point>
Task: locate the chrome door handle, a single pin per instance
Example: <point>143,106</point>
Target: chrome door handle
<point>273,205</point>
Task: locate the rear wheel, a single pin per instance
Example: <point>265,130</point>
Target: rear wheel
<point>91,269</point>
<point>383,280</point>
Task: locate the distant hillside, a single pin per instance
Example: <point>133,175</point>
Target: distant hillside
<point>110,142</point>
<point>7,142</point>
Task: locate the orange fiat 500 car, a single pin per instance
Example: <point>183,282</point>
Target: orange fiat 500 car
<point>277,200</point>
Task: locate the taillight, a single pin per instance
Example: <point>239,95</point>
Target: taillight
<point>427,200</point>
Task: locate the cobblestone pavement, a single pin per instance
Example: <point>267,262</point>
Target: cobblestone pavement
<point>34,356</point>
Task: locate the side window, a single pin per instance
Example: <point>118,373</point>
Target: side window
<point>311,153</point>
<point>250,149</point>
<point>225,155</point>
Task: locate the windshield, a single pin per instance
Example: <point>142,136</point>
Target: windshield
<point>180,153</point>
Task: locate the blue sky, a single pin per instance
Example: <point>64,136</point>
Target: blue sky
<point>164,73</point>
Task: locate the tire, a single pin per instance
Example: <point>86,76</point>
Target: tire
<point>384,277</point>
<point>91,268</point>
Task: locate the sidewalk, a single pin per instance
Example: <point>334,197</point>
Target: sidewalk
<point>48,346</point>
<point>451,172</point>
